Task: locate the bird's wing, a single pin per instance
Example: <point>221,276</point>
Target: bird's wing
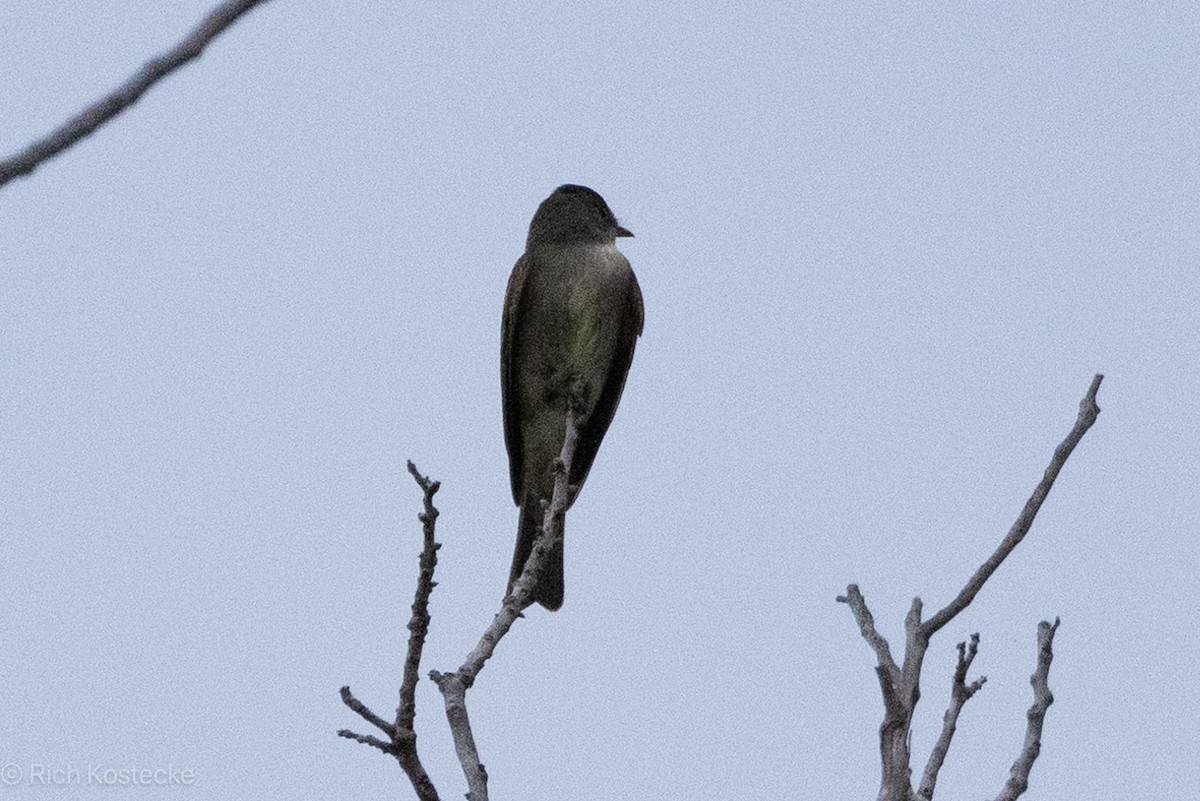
<point>606,404</point>
<point>509,391</point>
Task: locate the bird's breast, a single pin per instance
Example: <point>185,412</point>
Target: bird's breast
<point>571,317</point>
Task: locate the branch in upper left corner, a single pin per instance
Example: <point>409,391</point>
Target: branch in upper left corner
<point>91,118</point>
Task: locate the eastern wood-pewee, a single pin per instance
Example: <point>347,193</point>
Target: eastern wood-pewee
<point>572,316</point>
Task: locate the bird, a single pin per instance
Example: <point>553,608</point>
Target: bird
<point>573,313</point>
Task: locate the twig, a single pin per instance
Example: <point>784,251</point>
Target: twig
<point>124,96</point>
<point>367,739</point>
<point>402,735</point>
<point>960,693</point>
<point>365,712</point>
<point>1088,411</point>
<point>418,624</point>
<point>1018,781</point>
<point>418,627</point>
<point>454,686</point>
<point>358,706</point>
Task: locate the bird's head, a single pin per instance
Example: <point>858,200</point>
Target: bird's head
<point>574,214</point>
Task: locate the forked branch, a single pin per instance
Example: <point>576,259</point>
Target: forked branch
<point>960,693</point>
<point>401,739</point>
<point>401,736</point>
<point>900,684</point>
<point>454,686</point>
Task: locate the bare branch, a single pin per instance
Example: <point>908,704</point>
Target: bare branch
<point>866,624</point>
<point>454,693</point>
<point>405,738</point>
<point>901,685</point>
<point>358,706</point>
<point>402,734</point>
<point>1018,781</point>
<point>418,625</point>
<point>367,739</point>
<point>899,696</point>
<point>1088,412</point>
<point>454,686</point>
<point>124,96</point>
<point>960,693</point>
<point>915,645</point>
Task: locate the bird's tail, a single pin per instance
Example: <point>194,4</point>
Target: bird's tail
<point>549,589</point>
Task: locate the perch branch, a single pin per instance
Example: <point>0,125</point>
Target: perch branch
<point>454,686</point>
<point>87,121</point>
<point>1018,780</point>
<point>402,735</point>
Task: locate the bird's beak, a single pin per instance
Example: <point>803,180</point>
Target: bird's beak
<point>622,231</point>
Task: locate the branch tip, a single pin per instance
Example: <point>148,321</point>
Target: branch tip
<point>1088,412</point>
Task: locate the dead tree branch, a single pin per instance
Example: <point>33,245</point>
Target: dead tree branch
<point>91,118</point>
<point>454,686</point>
<point>401,739</point>
<point>402,736</point>
<point>1018,781</point>
<point>900,685</point>
<point>960,693</point>
<point>1088,412</point>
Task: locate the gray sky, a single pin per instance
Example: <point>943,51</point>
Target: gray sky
<point>883,250</point>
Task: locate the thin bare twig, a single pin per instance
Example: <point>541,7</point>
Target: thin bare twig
<point>1088,412</point>
<point>418,628</point>
<point>418,624</point>
<point>367,739</point>
<point>124,96</point>
<point>960,693</point>
<point>1018,781</point>
<point>402,734</point>
<point>454,686</point>
<point>365,712</point>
